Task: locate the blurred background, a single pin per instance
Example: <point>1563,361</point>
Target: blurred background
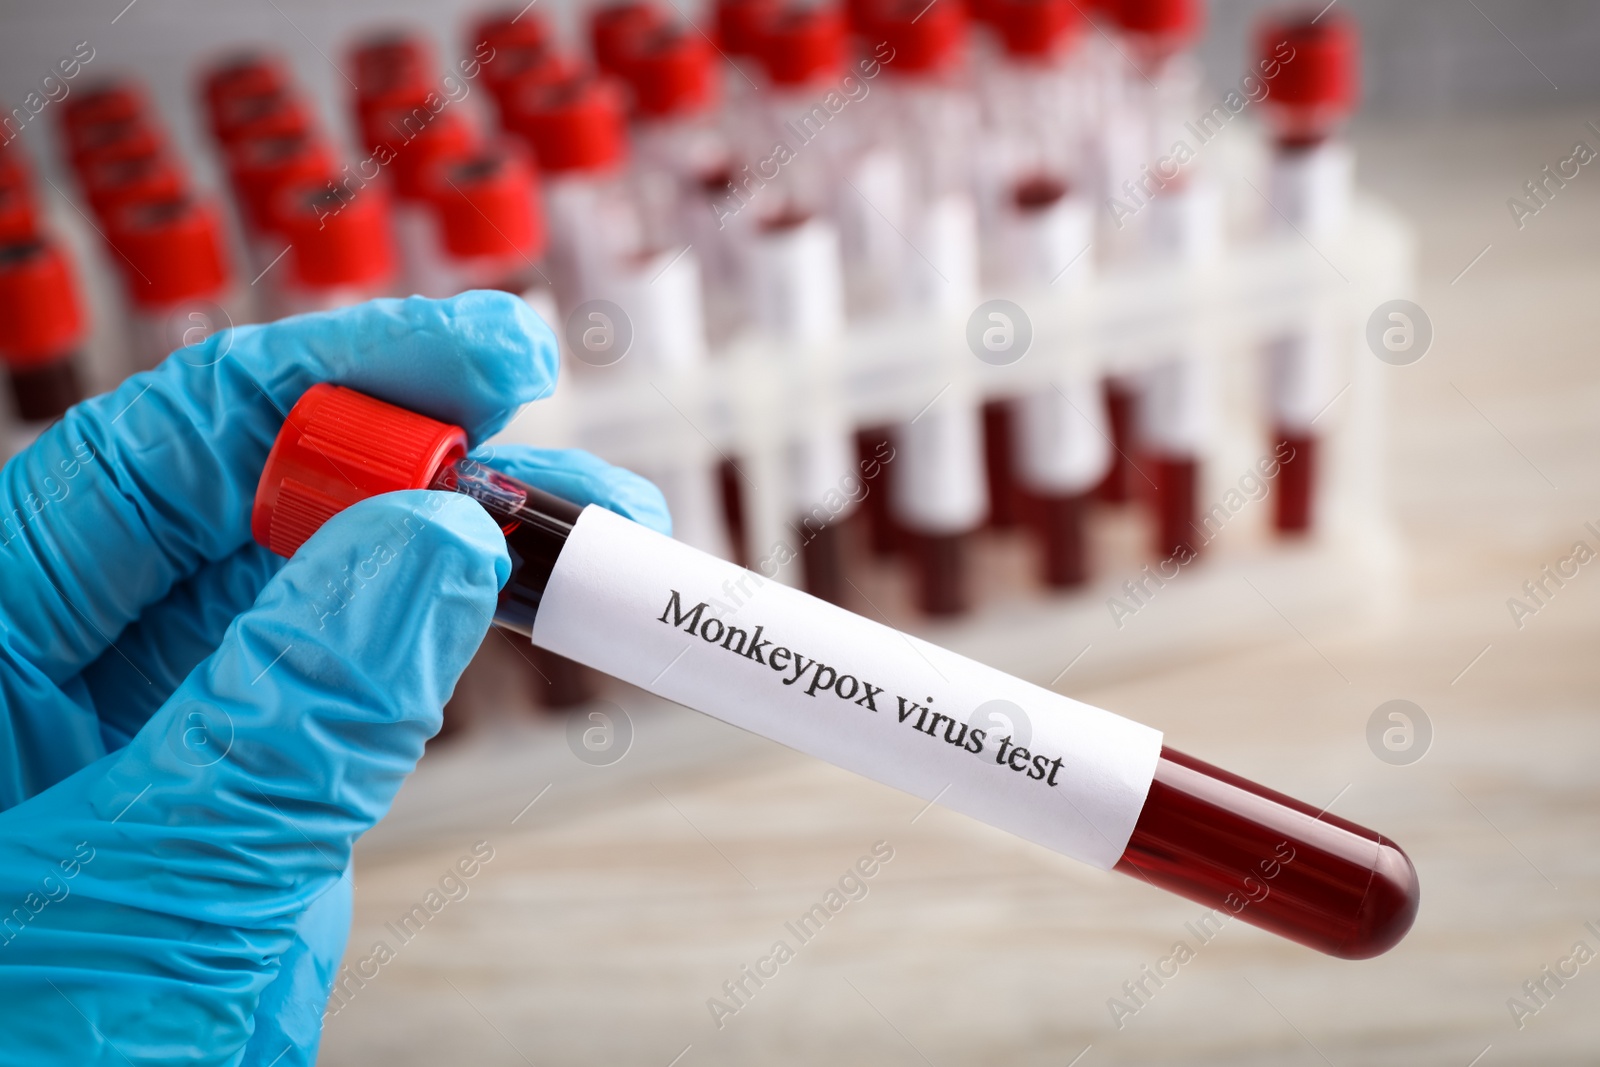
<point>632,872</point>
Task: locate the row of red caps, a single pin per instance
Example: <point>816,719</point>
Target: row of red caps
<point>565,115</point>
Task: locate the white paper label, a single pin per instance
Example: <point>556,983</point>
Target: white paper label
<point>779,663</point>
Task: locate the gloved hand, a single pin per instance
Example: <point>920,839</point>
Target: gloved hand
<point>190,744</point>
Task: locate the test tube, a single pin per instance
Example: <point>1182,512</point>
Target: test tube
<point>486,210</point>
<point>246,73</point>
<point>340,249</point>
<point>938,493</point>
<point>797,286</point>
<point>176,274</point>
<point>259,170</point>
<point>624,600</point>
<point>416,140</point>
<point>42,328</point>
<point>1041,233</point>
<point>269,113</point>
<point>1178,221</point>
<point>577,131</point>
<point>1311,66</point>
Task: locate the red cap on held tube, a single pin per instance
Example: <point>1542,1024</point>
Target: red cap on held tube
<point>575,124</point>
<point>488,204</point>
<point>1177,19</point>
<point>801,44</point>
<point>672,73</point>
<point>740,24</point>
<point>261,169</point>
<point>113,184</point>
<point>337,448</point>
<point>107,101</point>
<point>248,73</point>
<point>617,30</point>
<point>1035,28</point>
<point>174,250</point>
<point>338,238</point>
<point>1324,72</point>
<point>41,317</point>
<point>926,37</point>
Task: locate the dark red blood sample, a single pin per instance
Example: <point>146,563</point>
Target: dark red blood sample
<point>1296,482</point>
<point>882,532</point>
<point>44,393</point>
<point>1272,861</point>
<point>999,459</point>
<point>1121,399</point>
<point>939,571</point>
<point>1037,192</point>
<point>732,491</point>
<point>1061,521</point>
<point>1175,494</point>
<point>822,560</point>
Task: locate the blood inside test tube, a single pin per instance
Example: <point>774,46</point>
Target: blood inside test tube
<point>1205,834</point>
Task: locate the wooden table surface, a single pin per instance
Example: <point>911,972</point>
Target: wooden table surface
<point>615,906</point>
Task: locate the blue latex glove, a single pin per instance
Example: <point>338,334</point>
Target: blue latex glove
<point>189,749</point>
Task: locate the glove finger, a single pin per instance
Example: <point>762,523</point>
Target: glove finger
<point>132,491</point>
<point>582,478</point>
<point>237,805</point>
<point>132,679</point>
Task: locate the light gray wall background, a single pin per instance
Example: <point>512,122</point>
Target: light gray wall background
<point>1422,57</point>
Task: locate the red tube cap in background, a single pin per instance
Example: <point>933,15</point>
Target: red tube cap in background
<point>338,239</point>
<point>800,44</point>
<point>575,124</point>
<point>174,250</point>
<point>488,204</point>
<point>672,73</point>
<point>41,316</point>
<point>616,31</point>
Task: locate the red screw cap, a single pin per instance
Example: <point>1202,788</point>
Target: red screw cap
<point>510,28</point>
<point>1035,28</point>
<point>740,24</point>
<point>672,73</point>
<point>926,38</point>
<point>17,219</point>
<point>261,169</point>
<point>1179,20</point>
<point>242,74</point>
<point>515,67</point>
<point>41,317</point>
<point>488,204</point>
<point>802,44</point>
<point>113,184</point>
<point>1325,70</point>
<point>108,101</point>
<point>573,125</point>
<point>419,138</point>
<point>174,248</point>
<point>617,30</point>
<point>274,113</point>
<point>339,238</point>
<point>388,58</point>
<point>105,142</point>
<point>339,447</point>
